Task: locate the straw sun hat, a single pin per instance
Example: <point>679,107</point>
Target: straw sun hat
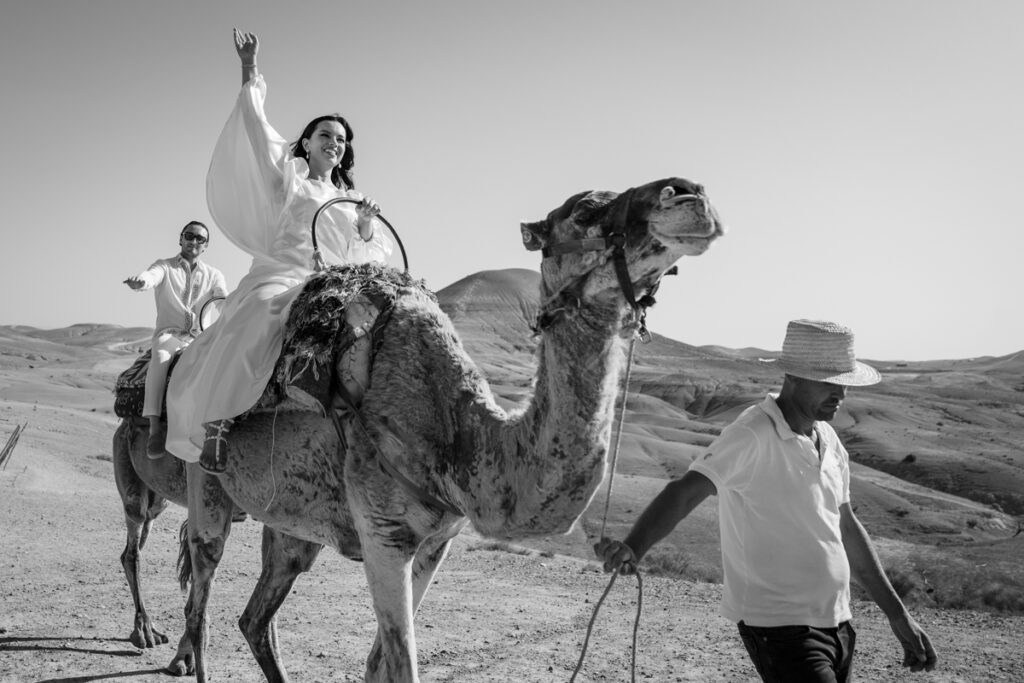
<point>823,351</point>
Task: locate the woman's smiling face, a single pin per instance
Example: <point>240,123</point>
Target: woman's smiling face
<point>326,146</point>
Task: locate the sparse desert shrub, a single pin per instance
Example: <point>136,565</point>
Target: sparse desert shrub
<point>500,546</point>
<point>676,564</point>
<point>904,581</point>
<point>954,583</point>
<point>1003,595</point>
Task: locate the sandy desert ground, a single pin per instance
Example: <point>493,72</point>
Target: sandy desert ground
<point>496,612</point>
<point>493,615</point>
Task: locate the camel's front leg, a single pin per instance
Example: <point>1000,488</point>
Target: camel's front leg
<point>388,568</point>
<point>429,557</point>
<point>209,523</point>
<point>143,634</point>
<point>284,558</point>
<point>141,506</point>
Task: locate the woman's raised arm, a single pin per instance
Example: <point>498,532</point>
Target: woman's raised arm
<point>247,45</point>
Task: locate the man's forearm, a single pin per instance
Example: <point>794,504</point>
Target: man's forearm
<point>668,508</point>
<point>867,569</point>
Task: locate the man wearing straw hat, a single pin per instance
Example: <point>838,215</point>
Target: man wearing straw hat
<point>790,540</point>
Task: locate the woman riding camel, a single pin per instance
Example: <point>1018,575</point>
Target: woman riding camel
<point>263,195</point>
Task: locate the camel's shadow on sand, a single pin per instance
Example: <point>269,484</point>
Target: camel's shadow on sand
<point>58,644</point>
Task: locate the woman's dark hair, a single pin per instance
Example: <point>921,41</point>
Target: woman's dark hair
<point>341,175</point>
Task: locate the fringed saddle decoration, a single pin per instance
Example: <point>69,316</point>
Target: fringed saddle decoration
<point>334,324</point>
<point>130,386</point>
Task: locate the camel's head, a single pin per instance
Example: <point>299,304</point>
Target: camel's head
<point>648,227</point>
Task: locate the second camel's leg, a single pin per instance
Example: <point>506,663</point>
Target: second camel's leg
<point>284,558</point>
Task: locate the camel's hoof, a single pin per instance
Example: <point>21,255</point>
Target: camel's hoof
<point>182,666</point>
<point>146,638</point>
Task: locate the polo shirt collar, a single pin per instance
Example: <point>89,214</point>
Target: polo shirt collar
<point>770,407</point>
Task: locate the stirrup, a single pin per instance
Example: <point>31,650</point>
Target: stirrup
<point>214,458</point>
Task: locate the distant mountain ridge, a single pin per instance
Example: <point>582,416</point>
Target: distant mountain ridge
<point>962,421</point>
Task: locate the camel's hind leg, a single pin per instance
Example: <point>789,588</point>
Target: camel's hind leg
<point>284,558</point>
<point>141,506</point>
<point>209,523</point>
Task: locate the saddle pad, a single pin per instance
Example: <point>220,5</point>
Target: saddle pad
<point>130,387</point>
<point>316,332</point>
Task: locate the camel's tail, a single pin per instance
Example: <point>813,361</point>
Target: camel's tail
<point>184,557</point>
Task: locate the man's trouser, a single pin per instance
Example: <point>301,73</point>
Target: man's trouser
<point>801,654</point>
<point>165,344</point>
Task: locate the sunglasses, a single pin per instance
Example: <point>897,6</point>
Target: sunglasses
<point>193,237</point>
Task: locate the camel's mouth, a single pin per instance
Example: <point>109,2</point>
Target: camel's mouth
<point>684,221</point>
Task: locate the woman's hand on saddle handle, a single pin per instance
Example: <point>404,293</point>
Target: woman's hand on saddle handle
<point>366,210</point>
<point>319,265</point>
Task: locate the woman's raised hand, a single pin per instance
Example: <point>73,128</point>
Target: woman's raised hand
<point>246,45</point>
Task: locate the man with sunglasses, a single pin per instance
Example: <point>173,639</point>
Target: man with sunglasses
<point>181,285</point>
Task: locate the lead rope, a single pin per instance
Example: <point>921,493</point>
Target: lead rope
<point>618,433</point>
<point>604,522</point>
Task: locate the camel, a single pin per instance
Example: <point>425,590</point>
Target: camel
<point>428,450</point>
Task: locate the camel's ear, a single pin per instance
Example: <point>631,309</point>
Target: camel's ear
<point>535,235</point>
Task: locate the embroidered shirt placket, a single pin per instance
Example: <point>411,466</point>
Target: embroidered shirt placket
<point>188,293</point>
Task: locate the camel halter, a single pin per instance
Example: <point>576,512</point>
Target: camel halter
<point>318,259</point>
<point>614,246</point>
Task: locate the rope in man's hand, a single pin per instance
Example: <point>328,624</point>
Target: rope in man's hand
<point>636,622</point>
<point>627,566</point>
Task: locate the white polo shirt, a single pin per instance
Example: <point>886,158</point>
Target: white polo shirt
<point>778,506</point>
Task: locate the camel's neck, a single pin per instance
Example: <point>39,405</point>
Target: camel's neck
<point>548,462</point>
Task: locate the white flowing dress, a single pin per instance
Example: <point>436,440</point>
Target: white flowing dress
<point>261,199</point>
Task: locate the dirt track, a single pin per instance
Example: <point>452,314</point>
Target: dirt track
<point>491,616</point>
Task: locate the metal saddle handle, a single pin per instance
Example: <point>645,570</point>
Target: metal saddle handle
<point>349,200</point>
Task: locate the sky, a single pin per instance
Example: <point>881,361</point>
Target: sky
<point>867,158</point>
